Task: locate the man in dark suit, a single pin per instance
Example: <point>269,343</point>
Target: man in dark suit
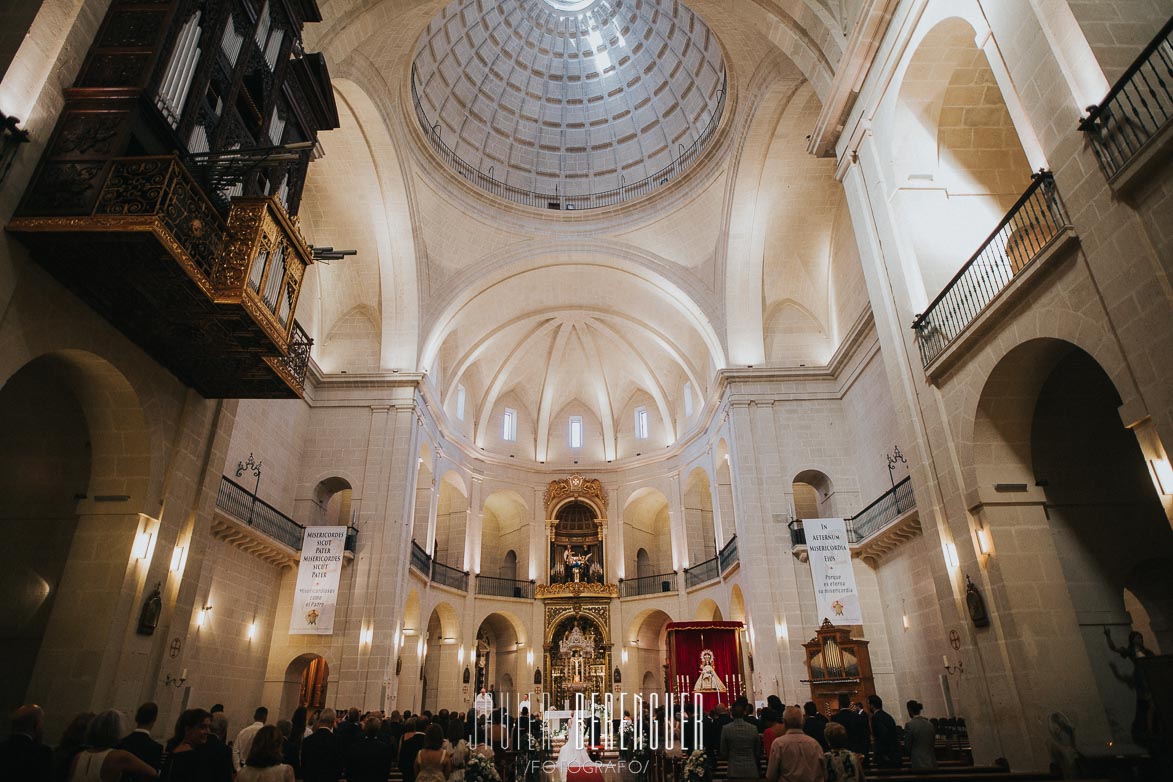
<point>856,725</point>
<point>22,755</point>
<point>885,739</point>
<point>139,743</point>
<point>369,758</point>
<point>321,753</point>
<point>349,730</point>
<point>814,724</point>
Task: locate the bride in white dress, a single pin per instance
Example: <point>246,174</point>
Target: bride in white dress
<point>573,755</point>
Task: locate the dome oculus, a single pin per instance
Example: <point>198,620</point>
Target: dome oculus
<point>568,104</point>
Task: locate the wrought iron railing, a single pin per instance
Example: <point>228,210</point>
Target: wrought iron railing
<point>421,560</point>
<point>449,576</point>
<point>647,585</point>
<point>1139,104</point>
<point>504,587</point>
<point>1036,218</point>
<point>242,504</point>
<point>560,201</point>
<point>797,533</point>
<point>883,510</point>
<point>294,364</point>
<point>728,557</point>
<point>878,514</point>
<point>702,572</point>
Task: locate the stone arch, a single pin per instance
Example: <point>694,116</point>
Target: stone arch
<point>812,495</point>
<point>724,499</point>
<point>699,532</point>
<point>451,522</point>
<point>75,472</point>
<point>333,496</point>
<point>1040,478</point>
<point>737,605</point>
<point>411,612</point>
<point>952,135</point>
<point>708,610</point>
<point>506,659</point>
<point>647,527</point>
<point>424,485</point>
<point>505,526</point>
<point>646,640</point>
<point>306,683</point>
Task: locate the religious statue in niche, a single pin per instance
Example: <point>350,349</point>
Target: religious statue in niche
<point>148,618</point>
<point>708,680</point>
<point>576,562</point>
<point>976,605</point>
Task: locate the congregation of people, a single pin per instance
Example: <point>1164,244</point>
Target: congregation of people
<point>788,743</point>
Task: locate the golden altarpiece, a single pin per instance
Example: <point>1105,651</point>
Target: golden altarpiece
<point>577,598</point>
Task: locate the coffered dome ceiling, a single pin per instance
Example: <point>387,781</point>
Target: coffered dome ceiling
<point>566,97</point>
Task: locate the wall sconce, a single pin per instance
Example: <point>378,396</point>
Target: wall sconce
<point>177,558</point>
<point>176,683</point>
<point>142,545</point>
<point>953,669</point>
<point>951,558</point>
<point>983,541</point>
<point>202,615</point>
<point>419,647</point>
<point>904,620</point>
<point>1164,472</point>
<point>460,656</point>
<point>367,635</point>
<point>252,631</point>
<point>780,631</point>
<point>529,657</point>
<point>904,613</point>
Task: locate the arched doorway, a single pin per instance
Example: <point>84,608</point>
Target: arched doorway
<point>647,643</point>
<point>499,659</point>
<point>306,682</point>
<point>1048,432</point>
<point>74,471</point>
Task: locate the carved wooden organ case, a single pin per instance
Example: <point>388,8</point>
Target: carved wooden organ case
<point>837,663</point>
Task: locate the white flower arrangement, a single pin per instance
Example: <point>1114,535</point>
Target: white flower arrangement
<point>696,768</point>
<point>480,769</point>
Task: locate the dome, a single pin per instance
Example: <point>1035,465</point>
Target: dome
<point>568,104</point>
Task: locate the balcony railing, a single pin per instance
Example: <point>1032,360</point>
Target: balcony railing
<point>163,245</point>
<point>243,505</point>
<point>878,514</point>
<point>420,560</point>
<point>647,585</point>
<point>1035,219</point>
<point>504,587</point>
<point>700,573</point>
<point>728,554</point>
<point>1137,107</point>
<point>883,510</point>
<point>449,576</point>
<point>560,201</point>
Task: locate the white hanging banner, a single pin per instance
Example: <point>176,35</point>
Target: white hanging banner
<point>829,551</point>
<point>316,595</point>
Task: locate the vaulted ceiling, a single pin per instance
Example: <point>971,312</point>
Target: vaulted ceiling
<point>748,258</point>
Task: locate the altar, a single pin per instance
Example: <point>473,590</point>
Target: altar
<point>577,598</point>
<point>704,658</point>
